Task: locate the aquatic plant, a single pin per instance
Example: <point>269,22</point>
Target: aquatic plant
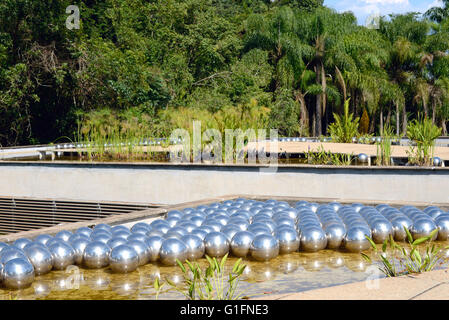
<point>208,284</point>
<point>321,156</point>
<point>400,261</point>
<point>423,133</point>
<point>345,127</point>
<point>384,147</point>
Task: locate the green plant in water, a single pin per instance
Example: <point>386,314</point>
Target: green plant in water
<point>384,147</point>
<point>423,133</point>
<point>345,127</point>
<point>321,156</point>
<point>209,284</point>
<point>400,261</point>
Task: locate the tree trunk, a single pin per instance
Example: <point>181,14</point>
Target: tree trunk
<point>433,112</point>
<point>388,117</point>
<point>397,119</point>
<point>304,121</point>
<point>381,123</point>
<point>404,121</point>
<point>443,125</point>
<point>318,107</point>
<point>324,110</point>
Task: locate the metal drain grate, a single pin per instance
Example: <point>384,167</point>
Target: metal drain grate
<point>23,214</point>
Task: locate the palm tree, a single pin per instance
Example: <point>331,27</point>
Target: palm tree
<point>438,14</point>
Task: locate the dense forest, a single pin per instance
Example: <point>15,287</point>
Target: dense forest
<point>158,64</point>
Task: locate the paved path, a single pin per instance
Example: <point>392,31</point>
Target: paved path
<point>433,285</point>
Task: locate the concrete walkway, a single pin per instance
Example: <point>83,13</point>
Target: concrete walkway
<point>433,285</point>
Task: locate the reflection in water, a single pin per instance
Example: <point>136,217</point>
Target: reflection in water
<point>298,271</point>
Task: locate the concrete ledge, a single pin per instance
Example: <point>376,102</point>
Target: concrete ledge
<point>178,183</point>
<point>429,285</point>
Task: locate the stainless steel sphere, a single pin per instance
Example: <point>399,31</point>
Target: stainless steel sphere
<point>115,242</point>
<point>103,226</point>
<point>63,255</point>
<point>121,234</point>
<point>96,255</point>
<point>437,161</point>
<point>119,228</point>
<point>154,245</point>
<point>40,257</point>
<point>64,235</point>
<point>264,247</point>
<point>335,234</point>
<point>355,240</point>
<point>18,273</point>
<point>171,250</point>
<point>362,157</point>
<point>11,253</point>
<point>142,249</point>
<point>241,243</point>
<point>142,225</point>
<point>217,244</point>
<point>79,245</point>
<point>84,231</point>
<point>195,246</point>
<point>199,233</point>
<point>423,228</point>
<point>398,224</point>
<point>123,259</point>
<point>442,223</point>
<point>21,243</point>
<point>230,230</point>
<point>139,237</point>
<point>288,240</point>
<point>101,237</point>
<point>381,231</point>
<point>3,245</point>
<point>313,239</point>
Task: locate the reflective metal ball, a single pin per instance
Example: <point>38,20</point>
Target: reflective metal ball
<point>21,243</point>
<point>142,249</point>
<point>264,247</point>
<point>11,253</point>
<point>63,255</point>
<point>116,241</point>
<point>79,245</point>
<point>40,257</point>
<point>64,235</point>
<point>84,231</point>
<point>154,245</point>
<point>422,228</point>
<point>217,244</point>
<point>123,259</point>
<point>241,243</point>
<point>313,239</point>
<point>195,246</point>
<point>335,234</point>
<point>18,273</point>
<point>355,240</point>
<point>96,255</point>
<point>171,250</point>
<point>288,240</point>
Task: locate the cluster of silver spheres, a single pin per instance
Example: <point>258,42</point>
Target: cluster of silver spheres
<point>244,228</point>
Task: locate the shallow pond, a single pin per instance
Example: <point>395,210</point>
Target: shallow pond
<point>294,272</point>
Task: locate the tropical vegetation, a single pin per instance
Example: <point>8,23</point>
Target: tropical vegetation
<point>155,65</point>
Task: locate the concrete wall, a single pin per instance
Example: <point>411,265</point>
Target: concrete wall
<point>169,184</point>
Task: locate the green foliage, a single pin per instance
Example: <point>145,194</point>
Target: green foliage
<point>298,59</point>
<point>345,127</point>
<point>321,156</point>
<point>383,157</point>
<point>213,283</point>
<point>423,133</point>
<point>396,260</point>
